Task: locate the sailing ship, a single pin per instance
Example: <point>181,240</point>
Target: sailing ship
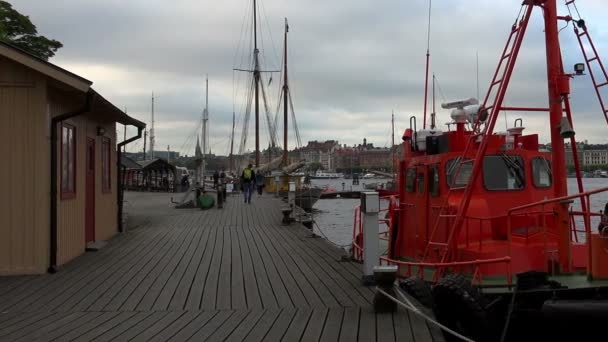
<point>483,230</point>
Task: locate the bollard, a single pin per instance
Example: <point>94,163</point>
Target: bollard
<point>291,196</point>
<point>370,206</point>
<point>385,277</point>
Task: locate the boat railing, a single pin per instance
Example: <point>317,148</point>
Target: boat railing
<point>586,214</point>
<point>410,268</point>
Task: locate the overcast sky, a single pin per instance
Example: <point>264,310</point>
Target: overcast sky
<point>351,61</point>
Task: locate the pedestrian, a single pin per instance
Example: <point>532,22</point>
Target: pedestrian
<point>223,182</point>
<point>248,181</point>
<point>216,177</point>
<point>259,182</point>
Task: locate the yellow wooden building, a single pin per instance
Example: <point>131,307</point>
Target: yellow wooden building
<point>58,182</point>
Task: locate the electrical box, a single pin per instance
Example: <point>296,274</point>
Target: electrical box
<point>370,202</point>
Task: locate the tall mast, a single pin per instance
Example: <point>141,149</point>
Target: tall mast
<point>285,95</point>
<point>556,112</point>
<point>152,137</point>
<point>232,145</point>
<point>204,130</point>
<point>256,79</point>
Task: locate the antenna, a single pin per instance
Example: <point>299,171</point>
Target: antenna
<point>426,76</point>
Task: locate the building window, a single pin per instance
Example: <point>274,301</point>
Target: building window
<point>106,169</point>
<point>68,161</point>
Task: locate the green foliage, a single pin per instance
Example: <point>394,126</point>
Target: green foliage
<point>17,29</point>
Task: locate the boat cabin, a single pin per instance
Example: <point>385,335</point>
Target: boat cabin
<point>515,171</point>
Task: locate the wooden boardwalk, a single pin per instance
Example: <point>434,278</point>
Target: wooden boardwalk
<point>233,274</point>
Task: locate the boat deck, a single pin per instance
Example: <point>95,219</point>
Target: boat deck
<point>184,274</point>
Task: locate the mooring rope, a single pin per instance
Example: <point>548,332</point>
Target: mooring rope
<point>409,306</point>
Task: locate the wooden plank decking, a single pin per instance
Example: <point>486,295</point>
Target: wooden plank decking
<point>233,274</point>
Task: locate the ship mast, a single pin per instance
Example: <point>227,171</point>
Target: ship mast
<point>256,80</point>
<point>285,97</point>
<point>152,137</point>
<point>232,145</point>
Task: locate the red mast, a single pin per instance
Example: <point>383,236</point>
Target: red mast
<point>558,88</point>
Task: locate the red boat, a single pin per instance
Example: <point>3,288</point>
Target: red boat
<point>483,229</point>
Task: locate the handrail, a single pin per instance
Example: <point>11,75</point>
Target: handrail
<point>587,219</point>
<point>556,199</point>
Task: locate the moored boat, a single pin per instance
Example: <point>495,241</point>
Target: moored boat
<point>483,229</point>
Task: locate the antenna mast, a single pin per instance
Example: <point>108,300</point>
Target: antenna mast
<point>152,137</point>
<point>426,76</point>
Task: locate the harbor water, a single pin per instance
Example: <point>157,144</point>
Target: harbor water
<point>334,217</point>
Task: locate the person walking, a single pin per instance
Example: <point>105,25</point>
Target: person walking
<point>248,181</point>
<point>216,177</point>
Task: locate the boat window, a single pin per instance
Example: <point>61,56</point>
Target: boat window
<point>458,178</point>
<point>410,180</point>
<point>541,171</point>
<point>503,172</point>
<point>420,182</point>
<point>434,180</point>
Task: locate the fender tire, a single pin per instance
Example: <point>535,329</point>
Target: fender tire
<point>461,308</point>
<point>419,290</point>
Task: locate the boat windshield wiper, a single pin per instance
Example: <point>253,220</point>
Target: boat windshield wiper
<point>514,168</point>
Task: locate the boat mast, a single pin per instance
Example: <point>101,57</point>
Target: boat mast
<point>285,97</point>
<point>204,131</point>
<point>256,80</point>
<point>152,137</point>
<point>232,145</point>
<point>556,91</point>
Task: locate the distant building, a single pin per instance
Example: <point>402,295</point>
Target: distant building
<point>319,152</point>
<point>595,157</point>
<point>570,155</point>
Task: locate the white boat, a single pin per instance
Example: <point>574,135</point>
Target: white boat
<point>326,175</point>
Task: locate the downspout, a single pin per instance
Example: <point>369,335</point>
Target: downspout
<point>53,209</point>
<point>119,189</point>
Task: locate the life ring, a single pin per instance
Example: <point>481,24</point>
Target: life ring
<point>460,307</point>
<point>419,289</point>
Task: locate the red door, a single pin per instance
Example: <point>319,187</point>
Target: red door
<point>89,205</point>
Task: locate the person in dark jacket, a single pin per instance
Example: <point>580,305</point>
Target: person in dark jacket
<point>216,177</point>
<point>248,181</point>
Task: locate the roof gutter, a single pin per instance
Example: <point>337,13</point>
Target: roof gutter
<point>120,175</point>
<point>53,209</point>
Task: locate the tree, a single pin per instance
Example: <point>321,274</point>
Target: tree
<point>17,29</point>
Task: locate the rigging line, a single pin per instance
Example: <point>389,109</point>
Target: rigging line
<point>190,136</point>
<point>270,124</point>
<point>295,122</point>
<point>242,33</point>
<point>276,55</point>
<point>440,90</point>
